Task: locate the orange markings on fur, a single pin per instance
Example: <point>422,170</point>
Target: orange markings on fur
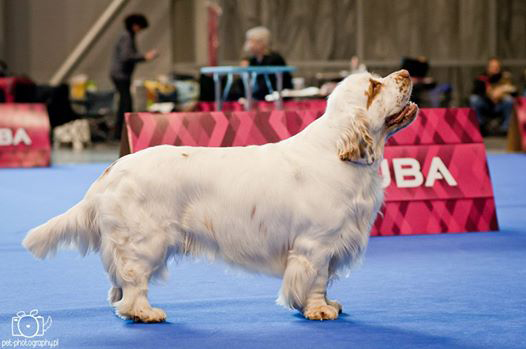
<point>373,91</point>
<point>108,169</point>
<point>403,83</point>
<point>357,141</point>
<point>209,225</point>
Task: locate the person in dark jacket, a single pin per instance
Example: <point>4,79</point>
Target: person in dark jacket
<point>492,98</point>
<point>125,57</point>
<point>257,46</point>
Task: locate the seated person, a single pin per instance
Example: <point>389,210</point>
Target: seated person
<point>257,46</point>
<point>492,98</point>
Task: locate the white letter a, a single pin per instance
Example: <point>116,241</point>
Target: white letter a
<point>438,170</point>
<point>21,136</point>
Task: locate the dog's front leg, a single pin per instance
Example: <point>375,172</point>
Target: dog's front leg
<point>305,286</point>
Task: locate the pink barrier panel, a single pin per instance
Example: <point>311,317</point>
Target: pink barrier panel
<point>436,216</point>
<point>228,106</point>
<point>435,172</point>
<point>215,129</point>
<point>436,177</point>
<point>440,126</point>
<point>24,135</point>
<point>436,189</point>
<point>520,111</point>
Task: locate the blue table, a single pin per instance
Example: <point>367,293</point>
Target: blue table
<point>248,76</point>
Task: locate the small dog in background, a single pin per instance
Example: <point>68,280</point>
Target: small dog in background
<point>77,133</point>
<point>300,209</point>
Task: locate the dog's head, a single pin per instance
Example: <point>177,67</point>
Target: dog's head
<point>370,109</point>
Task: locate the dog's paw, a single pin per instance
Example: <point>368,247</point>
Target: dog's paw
<point>149,315</point>
<point>321,312</point>
<point>335,305</point>
<point>146,315</point>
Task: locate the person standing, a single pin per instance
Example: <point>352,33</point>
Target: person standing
<point>125,57</point>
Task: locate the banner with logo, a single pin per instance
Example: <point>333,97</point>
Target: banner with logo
<point>24,135</point>
<point>435,172</point>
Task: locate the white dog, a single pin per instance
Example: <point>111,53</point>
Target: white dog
<point>75,132</point>
<point>300,209</point>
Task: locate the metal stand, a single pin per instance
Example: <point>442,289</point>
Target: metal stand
<point>248,76</point>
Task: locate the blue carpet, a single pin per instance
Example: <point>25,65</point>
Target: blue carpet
<point>441,291</point>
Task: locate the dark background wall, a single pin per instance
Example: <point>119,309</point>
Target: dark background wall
<point>457,36</point>
<point>316,35</point>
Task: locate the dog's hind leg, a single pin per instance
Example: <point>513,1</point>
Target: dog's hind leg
<point>108,254</point>
<point>114,295</point>
<point>134,303</point>
<point>130,265</point>
<point>305,285</point>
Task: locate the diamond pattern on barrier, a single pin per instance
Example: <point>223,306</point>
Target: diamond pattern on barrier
<point>436,216</point>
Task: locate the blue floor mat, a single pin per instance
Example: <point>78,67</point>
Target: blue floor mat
<point>438,291</point>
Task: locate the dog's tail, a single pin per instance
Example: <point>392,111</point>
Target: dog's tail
<point>76,227</point>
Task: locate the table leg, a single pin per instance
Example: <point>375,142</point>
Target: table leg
<point>279,86</point>
<point>217,91</point>
<point>229,82</point>
<point>248,90</point>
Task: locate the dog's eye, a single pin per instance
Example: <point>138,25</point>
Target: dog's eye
<point>373,90</point>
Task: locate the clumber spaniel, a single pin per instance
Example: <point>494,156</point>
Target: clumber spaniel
<point>300,209</point>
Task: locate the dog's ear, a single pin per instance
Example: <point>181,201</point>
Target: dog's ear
<point>372,91</point>
<point>356,143</point>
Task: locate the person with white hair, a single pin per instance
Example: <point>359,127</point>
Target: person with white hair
<point>257,46</point>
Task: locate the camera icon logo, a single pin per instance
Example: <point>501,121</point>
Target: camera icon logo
<point>29,325</point>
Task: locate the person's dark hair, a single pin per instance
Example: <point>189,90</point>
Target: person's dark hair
<point>135,19</point>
